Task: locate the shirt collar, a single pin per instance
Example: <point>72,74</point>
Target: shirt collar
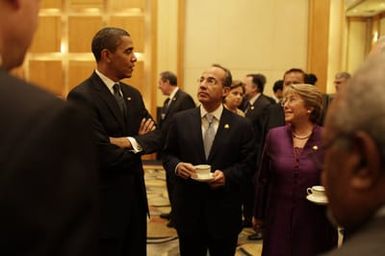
<point>254,99</point>
<point>172,95</point>
<point>107,81</point>
<point>216,113</point>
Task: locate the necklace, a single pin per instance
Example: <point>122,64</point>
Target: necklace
<point>304,137</point>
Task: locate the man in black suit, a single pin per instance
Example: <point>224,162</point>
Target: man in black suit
<point>123,131</point>
<point>275,115</point>
<point>48,173</point>
<point>177,100</point>
<point>208,214</point>
<point>255,107</point>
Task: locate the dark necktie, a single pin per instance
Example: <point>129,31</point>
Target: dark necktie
<point>209,135</point>
<point>166,105</point>
<point>119,98</point>
<point>247,109</point>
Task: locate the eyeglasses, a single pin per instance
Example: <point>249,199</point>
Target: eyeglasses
<point>208,80</point>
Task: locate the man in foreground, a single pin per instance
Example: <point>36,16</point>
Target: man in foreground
<point>48,174</point>
<point>354,174</point>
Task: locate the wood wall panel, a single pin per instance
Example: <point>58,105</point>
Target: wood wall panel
<point>78,71</point>
<point>86,3</point>
<point>47,74</point>
<point>51,4</point>
<point>119,5</point>
<point>134,25</point>
<point>318,40</point>
<point>81,32</point>
<point>48,35</point>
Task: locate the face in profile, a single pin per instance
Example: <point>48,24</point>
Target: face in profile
<point>122,60</point>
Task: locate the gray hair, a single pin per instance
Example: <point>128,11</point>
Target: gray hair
<point>362,104</point>
<point>343,75</point>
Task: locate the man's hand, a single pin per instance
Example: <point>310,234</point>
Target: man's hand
<point>219,179</point>
<point>121,142</point>
<point>146,126</point>
<point>257,224</point>
<point>185,170</point>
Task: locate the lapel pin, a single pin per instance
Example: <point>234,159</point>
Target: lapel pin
<point>227,126</point>
<point>252,107</point>
<point>315,147</point>
<point>128,98</point>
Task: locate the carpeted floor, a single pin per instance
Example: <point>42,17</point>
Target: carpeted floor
<point>163,241</point>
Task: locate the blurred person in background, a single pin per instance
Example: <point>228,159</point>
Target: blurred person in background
<point>235,97</point>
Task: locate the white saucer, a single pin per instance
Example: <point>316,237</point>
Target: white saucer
<point>317,199</point>
<point>203,179</point>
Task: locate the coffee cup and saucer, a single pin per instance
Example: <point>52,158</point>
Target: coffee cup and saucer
<point>203,173</point>
<point>316,194</point>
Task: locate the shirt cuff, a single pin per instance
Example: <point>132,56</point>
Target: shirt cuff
<point>176,168</point>
<point>136,147</point>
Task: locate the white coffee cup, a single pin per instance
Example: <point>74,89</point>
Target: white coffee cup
<point>317,191</point>
<point>203,171</point>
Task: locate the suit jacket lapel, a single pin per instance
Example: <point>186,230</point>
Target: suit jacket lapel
<point>172,103</point>
<point>196,132</point>
<point>108,98</point>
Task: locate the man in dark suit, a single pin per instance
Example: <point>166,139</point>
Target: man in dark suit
<point>255,109</point>
<point>48,173</point>
<point>275,116</point>
<point>177,100</point>
<point>354,164</point>
<point>208,214</point>
<point>123,132</point>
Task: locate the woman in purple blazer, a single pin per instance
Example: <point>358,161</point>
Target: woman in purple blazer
<point>293,225</point>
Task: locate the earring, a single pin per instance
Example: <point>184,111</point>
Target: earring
<point>309,111</point>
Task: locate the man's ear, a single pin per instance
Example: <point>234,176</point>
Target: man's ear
<point>14,3</point>
<point>105,55</point>
<point>366,166</point>
<point>226,91</point>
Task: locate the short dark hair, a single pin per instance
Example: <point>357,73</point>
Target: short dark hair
<point>295,70</point>
<point>170,77</point>
<point>278,85</point>
<point>311,78</point>
<point>236,84</point>
<point>107,38</point>
<point>259,80</point>
<point>228,80</point>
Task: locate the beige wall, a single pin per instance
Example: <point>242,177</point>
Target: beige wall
<point>246,36</point>
<point>167,39</point>
<point>357,43</point>
<point>337,43</point>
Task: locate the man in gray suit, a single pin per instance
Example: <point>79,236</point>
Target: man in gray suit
<point>354,174</point>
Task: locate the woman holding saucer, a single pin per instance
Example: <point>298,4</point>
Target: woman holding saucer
<point>293,225</point>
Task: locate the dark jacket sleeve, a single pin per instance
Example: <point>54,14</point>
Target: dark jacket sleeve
<point>262,181</point>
